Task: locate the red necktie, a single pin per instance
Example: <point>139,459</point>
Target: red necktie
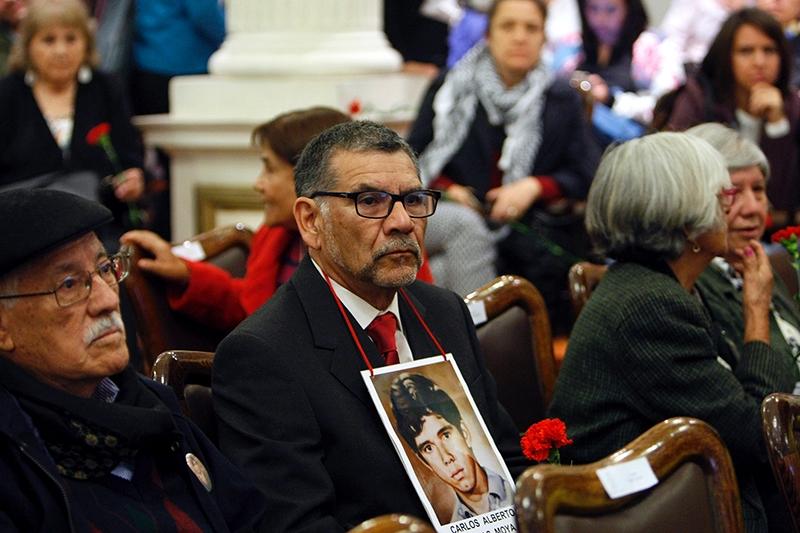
<point>382,332</point>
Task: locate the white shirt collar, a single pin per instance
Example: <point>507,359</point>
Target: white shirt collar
<point>362,311</point>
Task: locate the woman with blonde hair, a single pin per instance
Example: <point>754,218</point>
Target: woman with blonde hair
<point>50,101</point>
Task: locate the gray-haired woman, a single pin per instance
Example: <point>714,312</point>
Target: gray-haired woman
<point>644,348</point>
<point>720,285</point>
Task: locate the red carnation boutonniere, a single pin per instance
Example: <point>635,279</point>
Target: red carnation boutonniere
<point>543,439</point>
<point>100,135</point>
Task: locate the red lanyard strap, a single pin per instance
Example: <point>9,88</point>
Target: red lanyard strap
<point>422,321</point>
<point>349,326</point>
<point>352,330</point>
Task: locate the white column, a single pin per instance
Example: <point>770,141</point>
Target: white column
<point>278,37</point>
<point>279,55</point>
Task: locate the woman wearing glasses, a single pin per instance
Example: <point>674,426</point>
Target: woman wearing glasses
<point>208,293</point>
<point>501,137</point>
<point>644,347</point>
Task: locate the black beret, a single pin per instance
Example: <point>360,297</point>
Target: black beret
<point>35,221</point>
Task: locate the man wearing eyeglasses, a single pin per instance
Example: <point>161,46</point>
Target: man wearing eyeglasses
<point>292,408</point>
<point>85,443</point>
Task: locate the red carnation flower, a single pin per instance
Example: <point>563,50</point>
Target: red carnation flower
<point>544,437</point>
<point>786,234</point>
<point>97,133</point>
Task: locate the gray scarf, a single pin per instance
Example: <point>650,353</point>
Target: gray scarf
<point>519,109</point>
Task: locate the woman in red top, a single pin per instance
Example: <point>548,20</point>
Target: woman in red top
<point>208,293</point>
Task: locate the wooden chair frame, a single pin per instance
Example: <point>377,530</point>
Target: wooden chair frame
<point>780,416</point>
<point>393,523</point>
<point>782,265</point>
<point>159,328</point>
<point>506,292</point>
<point>181,370</point>
<point>545,490</point>
<point>582,278</point>
<point>175,368</point>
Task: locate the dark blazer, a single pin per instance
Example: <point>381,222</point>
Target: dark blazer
<point>567,152</point>
<point>28,149</point>
<point>294,413</point>
<point>724,303</point>
<point>34,499</point>
<point>643,350</point>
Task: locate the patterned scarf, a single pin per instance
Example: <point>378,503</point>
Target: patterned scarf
<point>87,438</point>
<point>519,108</point>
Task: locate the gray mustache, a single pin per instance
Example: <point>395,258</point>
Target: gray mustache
<point>102,325</point>
<point>402,242</point>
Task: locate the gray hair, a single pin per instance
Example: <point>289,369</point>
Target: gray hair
<point>313,172</point>
<point>653,193</point>
<point>738,151</point>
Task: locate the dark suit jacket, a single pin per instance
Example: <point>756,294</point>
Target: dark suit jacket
<point>295,414</point>
<point>567,152</point>
<point>641,351</point>
<point>724,303</point>
<point>27,147</point>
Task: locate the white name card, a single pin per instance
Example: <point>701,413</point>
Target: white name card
<point>627,478</point>
<point>478,312</point>
<point>189,250</point>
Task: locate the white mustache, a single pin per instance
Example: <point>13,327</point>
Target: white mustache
<point>102,326</point>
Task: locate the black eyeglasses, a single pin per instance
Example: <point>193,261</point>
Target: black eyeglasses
<point>77,286</point>
<point>379,204</point>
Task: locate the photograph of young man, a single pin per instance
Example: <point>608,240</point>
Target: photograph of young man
<point>431,424</point>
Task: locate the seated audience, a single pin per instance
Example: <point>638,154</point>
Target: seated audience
<point>644,348</point>
<point>208,293</point>
<point>292,408</point>
<point>87,443</point>
<point>743,82</point>
<point>720,285</point>
<point>787,12</point>
<point>502,137</point>
<point>48,104</point>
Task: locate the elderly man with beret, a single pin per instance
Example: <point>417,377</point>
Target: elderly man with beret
<point>86,444</point>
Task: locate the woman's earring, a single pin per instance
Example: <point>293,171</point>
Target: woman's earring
<point>30,78</point>
<point>695,247</point>
<point>84,74</point>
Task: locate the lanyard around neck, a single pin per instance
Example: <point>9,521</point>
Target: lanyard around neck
<point>352,329</point>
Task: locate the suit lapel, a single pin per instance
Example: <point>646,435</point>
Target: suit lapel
<point>330,333</point>
<point>418,340</point>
